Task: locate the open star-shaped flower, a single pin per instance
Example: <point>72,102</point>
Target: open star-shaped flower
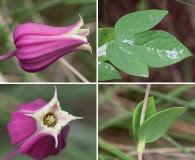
<point>40,129</point>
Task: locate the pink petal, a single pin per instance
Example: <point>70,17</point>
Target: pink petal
<point>40,29</point>
<point>43,63</point>
<point>43,145</point>
<point>38,40</point>
<point>36,51</point>
<point>32,106</point>
<point>21,127</point>
<point>36,58</point>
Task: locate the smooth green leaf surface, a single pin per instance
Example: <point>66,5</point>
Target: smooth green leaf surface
<point>137,22</point>
<point>150,111</point>
<point>125,62</point>
<point>105,37</point>
<point>155,126</point>
<point>157,48</point>
<point>151,48</point>
<point>107,72</point>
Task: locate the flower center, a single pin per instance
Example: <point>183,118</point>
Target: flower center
<point>49,120</point>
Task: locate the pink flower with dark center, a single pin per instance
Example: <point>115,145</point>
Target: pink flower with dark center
<point>38,45</point>
<point>39,129</point>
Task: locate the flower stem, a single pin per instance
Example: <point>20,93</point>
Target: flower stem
<point>8,55</point>
<point>145,103</point>
<point>11,155</point>
<point>73,70</point>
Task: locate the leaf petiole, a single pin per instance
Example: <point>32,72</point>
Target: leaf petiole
<point>140,149</point>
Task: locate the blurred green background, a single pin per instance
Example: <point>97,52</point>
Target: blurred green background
<point>77,99</point>
<point>116,106</point>
<point>54,13</point>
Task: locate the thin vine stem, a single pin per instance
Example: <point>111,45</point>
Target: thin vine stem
<point>145,103</point>
<point>69,66</point>
<point>140,145</point>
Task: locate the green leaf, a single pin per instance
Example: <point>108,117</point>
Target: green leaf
<point>132,49</point>
<point>105,37</point>
<point>150,111</point>
<point>107,72</point>
<point>126,63</point>
<point>155,126</point>
<point>137,22</point>
<point>157,48</point>
<point>151,48</point>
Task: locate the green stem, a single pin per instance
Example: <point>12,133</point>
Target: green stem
<point>140,149</point>
<point>141,144</point>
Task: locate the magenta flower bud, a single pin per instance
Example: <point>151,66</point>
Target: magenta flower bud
<point>38,45</point>
<point>40,129</point>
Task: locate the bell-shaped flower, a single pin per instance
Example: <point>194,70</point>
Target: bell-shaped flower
<point>39,129</point>
<point>38,45</point>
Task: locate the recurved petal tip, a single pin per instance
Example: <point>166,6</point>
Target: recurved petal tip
<point>74,29</point>
<point>79,117</point>
<point>85,47</point>
<point>83,32</point>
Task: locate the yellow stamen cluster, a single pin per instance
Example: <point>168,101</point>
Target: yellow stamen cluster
<point>49,120</point>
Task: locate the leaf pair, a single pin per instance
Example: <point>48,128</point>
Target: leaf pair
<point>155,124</point>
<point>130,47</point>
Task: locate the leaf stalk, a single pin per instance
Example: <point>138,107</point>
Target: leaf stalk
<point>141,144</point>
